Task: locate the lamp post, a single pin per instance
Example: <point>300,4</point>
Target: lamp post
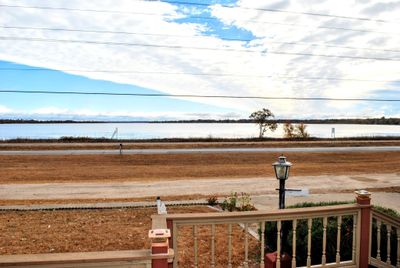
<point>282,168</point>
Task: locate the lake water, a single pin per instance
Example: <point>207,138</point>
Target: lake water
<point>182,130</point>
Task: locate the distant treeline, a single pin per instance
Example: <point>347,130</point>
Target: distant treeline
<point>367,121</point>
<point>189,140</point>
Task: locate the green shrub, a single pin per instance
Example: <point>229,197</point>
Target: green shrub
<point>346,241</point>
<point>234,202</point>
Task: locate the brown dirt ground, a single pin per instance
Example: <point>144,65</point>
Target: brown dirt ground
<point>106,168</point>
<point>110,229</point>
<point>175,145</point>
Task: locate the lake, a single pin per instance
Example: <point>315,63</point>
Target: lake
<point>182,130</point>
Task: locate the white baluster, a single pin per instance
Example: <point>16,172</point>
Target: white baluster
<point>325,222</point>
<point>309,243</point>
<point>294,244</point>
<point>262,227</point>
<point>339,231</point>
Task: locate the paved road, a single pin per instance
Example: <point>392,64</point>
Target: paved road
<point>207,150</point>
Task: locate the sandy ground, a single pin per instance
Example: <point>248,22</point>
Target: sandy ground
<point>99,230</point>
<point>133,177</point>
<point>147,168</point>
<point>316,184</point>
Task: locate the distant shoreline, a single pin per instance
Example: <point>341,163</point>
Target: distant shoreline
<point>367,121</point>
<point>195,140</point>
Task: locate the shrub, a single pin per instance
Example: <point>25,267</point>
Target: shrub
<point>331,235</point>
<point>316,236</point>
<point>234,202</point>
<point>212,200</point>
<point>230,202</point>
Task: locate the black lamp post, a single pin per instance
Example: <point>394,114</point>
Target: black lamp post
<point>282,168</point>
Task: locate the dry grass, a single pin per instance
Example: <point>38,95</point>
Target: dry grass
<point>107,168</point>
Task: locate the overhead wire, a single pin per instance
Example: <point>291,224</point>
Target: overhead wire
<point>196,96</point>
<point>207,5</point>
<point>197,74</point>
<point>198,17</point>
<point>196,48</point>
<point>194,36</point>
<point>179,47</point>
<point>273,10</point>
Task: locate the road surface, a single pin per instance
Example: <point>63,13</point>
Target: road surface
<point>208,150</point>
<point>254,186</point>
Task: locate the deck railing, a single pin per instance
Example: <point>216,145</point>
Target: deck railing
<point>353,235</point>
<point>252,225</point>
<point>385,240</point>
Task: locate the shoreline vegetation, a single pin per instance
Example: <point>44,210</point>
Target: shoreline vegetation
<point>68,139</point>
<point>365,121</point>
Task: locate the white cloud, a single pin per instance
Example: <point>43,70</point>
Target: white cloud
<point>4,109</point>
<point>271,37</point>
<point>55,113</point>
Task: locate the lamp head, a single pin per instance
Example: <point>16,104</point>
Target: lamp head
<point>282,168</point>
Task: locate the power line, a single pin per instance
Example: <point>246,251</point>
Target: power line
<point>203,4</point>
<point>278,11</point>
<point>198,17</point>
<point>195,96</point>
<point>188,36</point>
<point>199,74</point>
<point>196,48</point>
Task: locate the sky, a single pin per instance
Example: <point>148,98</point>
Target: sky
<point>283,48</point>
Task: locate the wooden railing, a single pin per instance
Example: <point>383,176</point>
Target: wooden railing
<point>385,240</point>
<point>105,259</point>
<point>203,231</point>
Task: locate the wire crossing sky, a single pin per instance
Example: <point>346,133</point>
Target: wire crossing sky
<point>221,59</point>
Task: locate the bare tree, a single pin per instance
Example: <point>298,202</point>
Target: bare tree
<point>288,128</point>
<point>295,131</point>
<point>301,131</point>
<point>262,119</point>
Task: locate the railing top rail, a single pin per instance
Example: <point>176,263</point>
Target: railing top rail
<point>76,257</point>
<point>283,214</point>
<point>395,222</point>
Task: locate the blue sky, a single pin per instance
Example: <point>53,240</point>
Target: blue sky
<point>224,69</point>
<point>61,105</point>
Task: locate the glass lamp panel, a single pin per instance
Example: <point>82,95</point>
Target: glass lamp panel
<point>280,172</point>
<point>287,172</point>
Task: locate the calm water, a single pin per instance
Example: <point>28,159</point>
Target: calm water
<point>184,130</point>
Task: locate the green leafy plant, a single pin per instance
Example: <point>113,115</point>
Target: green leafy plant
<point>245,203</point>
<point>234,202</point>
<point>229,203</point>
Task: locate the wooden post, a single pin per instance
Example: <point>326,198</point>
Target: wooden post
<point>160,248</point>
<point>363,200</point>
<point>159,235</point>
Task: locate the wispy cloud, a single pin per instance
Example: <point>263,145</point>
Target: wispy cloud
<point>270,36</point>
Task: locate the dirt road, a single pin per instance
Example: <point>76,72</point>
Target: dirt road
<point>254,186</point>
